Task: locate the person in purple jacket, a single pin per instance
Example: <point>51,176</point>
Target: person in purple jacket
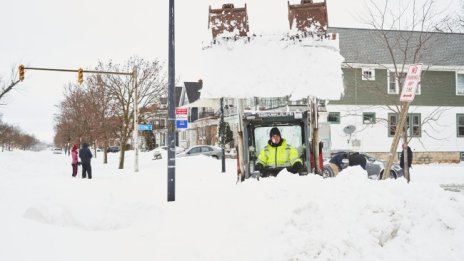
<point>74,161</point>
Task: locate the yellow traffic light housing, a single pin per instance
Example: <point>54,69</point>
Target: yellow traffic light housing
<point>21,72</point>
<point>80,76</point>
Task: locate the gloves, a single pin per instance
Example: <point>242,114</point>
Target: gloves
<point>259,167</point>
<point>296,168</point>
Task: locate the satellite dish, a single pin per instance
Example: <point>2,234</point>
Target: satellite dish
<point>349,129</point>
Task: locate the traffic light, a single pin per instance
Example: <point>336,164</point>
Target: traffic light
<point>21,72</point>
<point>80,76</point>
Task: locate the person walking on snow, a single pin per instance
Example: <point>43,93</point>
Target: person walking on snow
<point>74,160</point>
<point>86,156</point>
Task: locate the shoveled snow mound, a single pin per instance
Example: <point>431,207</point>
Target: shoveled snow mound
<point>122,215</point>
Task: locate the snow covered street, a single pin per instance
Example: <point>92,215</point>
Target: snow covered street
<point>122,215</point>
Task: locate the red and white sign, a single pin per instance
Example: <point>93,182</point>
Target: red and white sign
<point>181,118</point>
<point>411,82</point>
<point>181,113</point>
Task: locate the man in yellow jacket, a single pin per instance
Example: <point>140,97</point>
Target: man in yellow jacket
<point>278,155</point>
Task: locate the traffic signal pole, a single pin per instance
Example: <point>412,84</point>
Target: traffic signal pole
<point>80,79</point>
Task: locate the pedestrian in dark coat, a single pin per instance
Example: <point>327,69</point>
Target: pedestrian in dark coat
<point>85,155</point>
<point>74,160</point>
<point>409,156</point>
<point>356,159</point>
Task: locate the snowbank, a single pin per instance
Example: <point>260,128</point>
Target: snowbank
<point>122,215</point>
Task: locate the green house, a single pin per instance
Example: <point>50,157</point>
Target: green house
<point>375,65</point>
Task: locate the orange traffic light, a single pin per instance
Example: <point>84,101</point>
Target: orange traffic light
<point>21,72</point>
<point>80,76</point>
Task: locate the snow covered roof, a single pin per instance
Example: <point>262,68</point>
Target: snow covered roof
<point>443,49</point>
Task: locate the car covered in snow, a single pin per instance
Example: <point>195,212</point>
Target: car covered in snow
<point>158,152</point>
<point>374,166</point>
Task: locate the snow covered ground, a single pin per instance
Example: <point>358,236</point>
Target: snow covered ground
<point>121,215</point>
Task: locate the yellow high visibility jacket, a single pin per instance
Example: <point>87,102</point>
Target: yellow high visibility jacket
<point>278,157</point>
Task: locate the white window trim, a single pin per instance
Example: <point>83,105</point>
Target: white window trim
<point>457,93</point>
<point>371,70</point>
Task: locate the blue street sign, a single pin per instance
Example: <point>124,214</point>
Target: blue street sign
<point>145,127</point>
<point>181,124</point>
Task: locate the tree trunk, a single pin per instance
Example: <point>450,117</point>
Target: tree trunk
<point>121,153</point>
<point>105,152</point>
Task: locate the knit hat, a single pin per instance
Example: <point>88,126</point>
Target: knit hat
<point>274,131</point>
<point>74,147</point>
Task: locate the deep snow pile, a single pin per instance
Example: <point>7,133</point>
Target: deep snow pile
<point>121,215</point>
<point>268,66</point>
<point>268,63</point>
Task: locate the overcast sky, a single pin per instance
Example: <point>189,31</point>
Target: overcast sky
<point>72,34</point>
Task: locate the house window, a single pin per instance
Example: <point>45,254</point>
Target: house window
<point>460,125</point>
<point>459,83</point>
<point>334,118</point>
<point>413,123</point>
<point>368,74</point>
<point>394,82</point>
<point>392,122</point>
<point>462,156</point>
<point>368,117</point>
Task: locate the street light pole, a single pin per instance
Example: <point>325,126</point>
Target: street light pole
<point>171,109</point>
<point>136,124</point>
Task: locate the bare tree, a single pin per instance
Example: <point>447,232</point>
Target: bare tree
<point>103,118</point>
<point>151,85</point>
<point>7,87</point>
<point>72,123</point>
<point>405,30</point>
<point>453,22</point>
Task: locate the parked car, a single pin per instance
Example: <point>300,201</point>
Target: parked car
<point>57,151</point>
<point>113,149</point>
<point>374,166</point>
<point>158,152</point>
<point>206,150</point>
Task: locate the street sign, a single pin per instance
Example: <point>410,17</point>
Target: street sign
<point>181,113</point>
<point>145,127</point>
<point>181,118</point>
<point>411,82</point>
<point>181,124</point>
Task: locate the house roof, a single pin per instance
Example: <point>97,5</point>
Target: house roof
<point>367,46</point>
<point>178,92</point>
<point>192,90</point>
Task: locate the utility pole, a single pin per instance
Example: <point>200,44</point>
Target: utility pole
<point>171,109</point>
<point>136,122</point>
<point>222,136</point>
<point>315,139</point>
